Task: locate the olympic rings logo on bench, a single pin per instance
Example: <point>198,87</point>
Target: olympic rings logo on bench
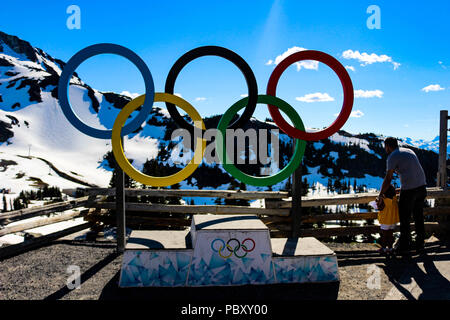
<point>145,102</point>
<point>232,250</point>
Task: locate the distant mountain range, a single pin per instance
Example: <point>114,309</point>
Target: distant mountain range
<point>39,146</point>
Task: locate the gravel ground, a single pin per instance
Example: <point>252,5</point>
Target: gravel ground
<point>358,264</point>
<point>42,273</point>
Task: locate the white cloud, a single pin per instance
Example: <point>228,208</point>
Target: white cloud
<point>368,93</point>
<point>315,97</point>
<point>178,95</point>
<point>366,58</point>
<point>307,64</point>
<point>442,65</point>
<point>244,95</point>
<point>350,68</point>
<point>200,99</point>
<point>129,94</point>
<point>354,114</point>
<point>432,87</point>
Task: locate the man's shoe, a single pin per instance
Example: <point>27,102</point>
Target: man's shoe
<point>402,251</point>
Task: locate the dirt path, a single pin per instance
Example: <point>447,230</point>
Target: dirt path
<point>61,173</point>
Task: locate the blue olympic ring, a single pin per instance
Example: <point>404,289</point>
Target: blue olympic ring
<point>214,241</point>
<point>74,63</point>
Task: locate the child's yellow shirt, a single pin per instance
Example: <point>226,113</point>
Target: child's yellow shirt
<point>389,215</point>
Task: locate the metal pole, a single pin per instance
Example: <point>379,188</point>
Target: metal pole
<point>296,210</point>
<point>120,208</point>
<point>442,168</point>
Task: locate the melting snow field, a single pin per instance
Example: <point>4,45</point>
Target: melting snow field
<point>44,132</point>
<point>26,172</point>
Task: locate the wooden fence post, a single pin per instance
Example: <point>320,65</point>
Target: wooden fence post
<point>442,168</point>
<point>296,210</point>
<point>120,208</point>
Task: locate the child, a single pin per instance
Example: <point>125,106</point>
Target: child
<point>388,217</point>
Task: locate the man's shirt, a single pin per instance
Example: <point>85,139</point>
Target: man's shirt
<point>405,162</point>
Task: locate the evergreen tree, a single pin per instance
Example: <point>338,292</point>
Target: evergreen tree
<point>330,185</point>
<point>305,187</point>
<point>337,185</point>
<point>175,200</point>
<point>5,209</point>
<point>287,186</point>
<point>17,204</point>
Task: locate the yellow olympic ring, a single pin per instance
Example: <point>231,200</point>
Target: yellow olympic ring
<point>136,174</point>
<point>229,249</point>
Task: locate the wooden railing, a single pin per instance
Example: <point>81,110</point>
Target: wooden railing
<point>276,213</point>
<point>42,211</point>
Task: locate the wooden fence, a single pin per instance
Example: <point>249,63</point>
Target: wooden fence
<point>275,213</point>
<point>79,207</point>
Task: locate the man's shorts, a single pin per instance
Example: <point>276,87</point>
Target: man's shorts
<point>387,226</point>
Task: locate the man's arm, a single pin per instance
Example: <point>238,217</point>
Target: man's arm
<point>386,182</point>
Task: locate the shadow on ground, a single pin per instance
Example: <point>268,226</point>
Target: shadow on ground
<point>424,276</point>
<point>419,278</point>
<point>84,277</point>
<point>278,292</point>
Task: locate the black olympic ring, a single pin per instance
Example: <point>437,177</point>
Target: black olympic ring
<point>219,52</point>
<point>235,248</point>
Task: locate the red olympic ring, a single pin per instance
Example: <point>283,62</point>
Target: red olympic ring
<point>248,250</point>
<point>347,86</point>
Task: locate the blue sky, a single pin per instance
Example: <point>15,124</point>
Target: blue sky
<point>390,67</point>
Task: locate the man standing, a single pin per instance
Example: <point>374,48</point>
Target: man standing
<point>412,195</point>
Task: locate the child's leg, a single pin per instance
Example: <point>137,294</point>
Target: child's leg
<point>383,238</point>
<point>390,238</point>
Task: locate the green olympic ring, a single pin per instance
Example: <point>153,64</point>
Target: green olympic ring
<point>243,248</point>
<point>284,173</point>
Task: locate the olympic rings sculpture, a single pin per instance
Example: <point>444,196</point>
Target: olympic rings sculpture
<point>233,250</point>
<point>249,103</point>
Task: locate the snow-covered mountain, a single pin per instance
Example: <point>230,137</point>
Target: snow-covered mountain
<point>36,140</point>
<point>432,145</point>
<point>39,146</point>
